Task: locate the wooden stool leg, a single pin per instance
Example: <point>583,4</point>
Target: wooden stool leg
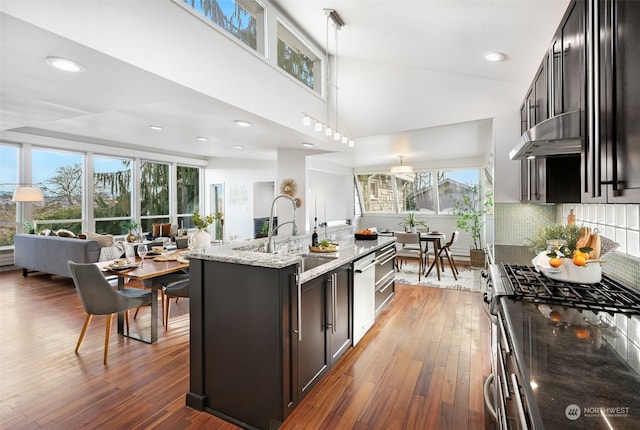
<point>83,331</point>
<point>106,337</point>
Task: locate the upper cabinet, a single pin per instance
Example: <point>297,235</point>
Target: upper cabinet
<point>584,100</point>
<point>568,72</point>
<point>613,141</point>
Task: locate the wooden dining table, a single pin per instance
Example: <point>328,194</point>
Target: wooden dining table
<point>150,269</point>
<point>435,238</point>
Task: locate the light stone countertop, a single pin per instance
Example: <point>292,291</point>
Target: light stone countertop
<point>252,253</point>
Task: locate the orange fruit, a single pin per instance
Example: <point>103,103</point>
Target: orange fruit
<point>555,262</point>
<point>555,316</point>
<point>579,260</point>
<point>581,332</point>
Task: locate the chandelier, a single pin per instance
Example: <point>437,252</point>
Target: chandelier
<point>401,168</point>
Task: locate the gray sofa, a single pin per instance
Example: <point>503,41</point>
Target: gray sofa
<point>49,254</point>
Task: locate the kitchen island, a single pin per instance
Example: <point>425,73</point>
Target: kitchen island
<point>266,327</point>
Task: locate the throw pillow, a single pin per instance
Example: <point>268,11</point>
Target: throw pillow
<point>110,252</point>
<point>161,230</point>
<point>102,239</point>
<point>65,233</point>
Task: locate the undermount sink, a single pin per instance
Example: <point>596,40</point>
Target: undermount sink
<point>312,261</point>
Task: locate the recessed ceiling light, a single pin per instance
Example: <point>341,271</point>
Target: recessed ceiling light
<point>202,138</point>
<point>64,64</point>
<point>155,127</point>
<point>238,146</point>
<point>307,144</point>
<point>493,56</point>
<point>242,123</point>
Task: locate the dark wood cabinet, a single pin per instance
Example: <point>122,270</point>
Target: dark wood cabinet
<point>540,96</point>
<point>326,305</point>
<point>609,169</point>
<point>243,343</point>
<point>570,90</point>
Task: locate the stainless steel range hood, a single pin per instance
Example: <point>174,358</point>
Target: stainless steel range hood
<point>557,135</point>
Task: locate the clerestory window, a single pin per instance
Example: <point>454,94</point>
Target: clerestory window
<point>297,59</point>
<point>244,19</point>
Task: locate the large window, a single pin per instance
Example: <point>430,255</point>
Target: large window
<point>188,192</point>
<point>241,18</point>
<point>453,184</point>
<point>297,59</point>
<point>429,191</point>
<point>377,193</point>
<point>154,194</point>
<point>8,181</point>
<point>111,193</point>
<point>415,192</point>
<point>59,175</point>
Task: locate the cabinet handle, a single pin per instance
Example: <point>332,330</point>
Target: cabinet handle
<point>592,162</point>
<point>487,400</point>
<point>516,388</point>
<point>299,285</point>
<point>334,286</point>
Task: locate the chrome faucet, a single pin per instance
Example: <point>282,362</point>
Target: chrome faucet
<point>294,230</point>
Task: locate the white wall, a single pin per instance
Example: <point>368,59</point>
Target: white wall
<point>238,177</point>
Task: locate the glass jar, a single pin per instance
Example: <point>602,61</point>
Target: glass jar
<point>553,244</point>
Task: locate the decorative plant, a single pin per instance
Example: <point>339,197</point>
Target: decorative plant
<point>472,210</point>
<point>570,233</point>
<point>202,222</point>
<point>130,225</point>
<point>410,221</point>
<point>29,227</point>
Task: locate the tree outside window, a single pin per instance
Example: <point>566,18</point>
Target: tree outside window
<point>9,177</point>
<point>112,194</point>
<point>188,192</point>
<point>59,175</point>
<point>154,194</point>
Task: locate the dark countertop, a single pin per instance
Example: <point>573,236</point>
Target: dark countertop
<point>572,360</point>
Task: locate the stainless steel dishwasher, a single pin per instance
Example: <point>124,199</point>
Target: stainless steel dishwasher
<point>364,292</point>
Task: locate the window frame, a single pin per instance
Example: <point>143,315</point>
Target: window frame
<point>396,193</point>
<point>294,40</point>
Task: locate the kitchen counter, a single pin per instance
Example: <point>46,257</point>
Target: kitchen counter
<point>251,253</point>
<point>262,333</point>
<point>575,372</point>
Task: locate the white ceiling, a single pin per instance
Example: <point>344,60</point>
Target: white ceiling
<point>408,70</point>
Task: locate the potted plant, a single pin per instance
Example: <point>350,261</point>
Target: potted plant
<point>410,223</point>
<point>472,208</point>
<point>130,226</point>
<point>202,237</point>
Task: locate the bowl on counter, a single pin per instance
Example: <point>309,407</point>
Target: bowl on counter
<point>373,236</point>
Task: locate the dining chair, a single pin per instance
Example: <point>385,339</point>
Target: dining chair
<point>160,282</point>
<point>174,289</point>
<point>99,298</point>
<point>445,252</point>
<point>408,248</point>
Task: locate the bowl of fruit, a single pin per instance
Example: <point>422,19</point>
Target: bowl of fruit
<point>366,234</point>
<point>581,265</point>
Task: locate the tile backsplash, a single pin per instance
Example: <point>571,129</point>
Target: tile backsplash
<point>514,223</point>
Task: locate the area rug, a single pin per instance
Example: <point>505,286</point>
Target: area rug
<point>468,279</point>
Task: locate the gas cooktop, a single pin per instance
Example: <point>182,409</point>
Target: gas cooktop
<point>526,283</point>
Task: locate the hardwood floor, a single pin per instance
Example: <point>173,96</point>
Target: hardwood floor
<point>422,366</point>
